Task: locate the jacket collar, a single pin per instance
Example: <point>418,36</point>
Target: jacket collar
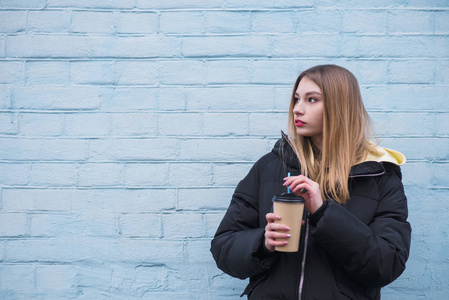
<point>289,160</point>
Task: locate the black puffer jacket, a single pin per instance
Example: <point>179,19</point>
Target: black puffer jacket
<point>352,250</point>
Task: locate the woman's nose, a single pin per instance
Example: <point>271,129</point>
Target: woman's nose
<point>298,109</point>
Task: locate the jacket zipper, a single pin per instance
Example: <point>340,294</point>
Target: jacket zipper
<point>303,263</point>
<point>367,175</point>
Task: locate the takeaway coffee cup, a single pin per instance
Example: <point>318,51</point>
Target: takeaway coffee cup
<point>290,208</point>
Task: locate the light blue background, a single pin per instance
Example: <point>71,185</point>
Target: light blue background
<point>126,125</point>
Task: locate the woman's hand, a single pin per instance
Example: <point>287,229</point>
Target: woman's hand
<point>275,231</point>
<point>306,188</point>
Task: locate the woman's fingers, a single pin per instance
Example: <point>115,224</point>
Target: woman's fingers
<point>274,232</point>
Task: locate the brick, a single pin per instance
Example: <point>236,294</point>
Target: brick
<point>43,149</point>
<point>411,169</point>
<point>137,72</point>
<point>141,225</point>
<point>293,46</point>
<point>174,225</point>
<point>48,97</point>
<point>16,278</point>
<point>227,21</point>
<point>93,22</point>
<point>236,46</point>
<point>149,252</point>
<point>56,278</point>
<point>93,72</point>
<point>2,46</point>
<point>133,149</point>
<point>441,21</point>
<point>269,4</point>
<point>12,21</point>
<point>23,4</point>
<point>17,200</point>
<point>228,71</point>
<point>146,174</point>
<point>268,124</point>
<point>424,71</point>
<point>115,4</point>
<point>189,174</point>
<point>131,124</point>
<point>13,72</point>
<point>136,98</point>
<point>171,98</point>
<point>45,72</point>
<point>180,124</point>
<point>330,22</point>
<point>441,72</point>
<point>151,46</point>
<point>371,71</point>
<point>91,223</point>
<point>183,22</point>
<point>393,124</point>
<point>229,174</point>
<point>204,198</point>
<point>100,174</point>
<point>403,46</point>
<point>273,22</point>
<point>419,97</point>
<point>37,124</point>
<point>90,124</point>
<point>140,281</point>
<point>222,149</point>
<point>364,21</point>
<point>180,4</point>
<point>282,97</point>
<point>230,98</point>
<point>274,72</point>
<point>182,72</point>
<point>48,21</point>
<point>138,200</point>
<point>67,249</point>
<point>2,252</point>
<point>40,199</point>
<point>14,174</point>
<point>54,174</point>
<point>408,21</point>
<point>439,176</point>
<point>8,123</point>
<point>13,225</point>
<point>225,124</point>
<point>5,99</point>
<point>212,221</point>
<point>46,45</point>
<point>137,22</point>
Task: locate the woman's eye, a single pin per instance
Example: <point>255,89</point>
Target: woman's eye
<point>296,100</point>
<point>313,100</point>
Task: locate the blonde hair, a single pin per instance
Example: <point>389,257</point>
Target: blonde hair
<point>346,128</point>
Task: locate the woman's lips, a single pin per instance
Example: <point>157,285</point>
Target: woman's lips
<point>299,123</point>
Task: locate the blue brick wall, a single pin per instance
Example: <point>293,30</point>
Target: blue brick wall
<point>125,126</point>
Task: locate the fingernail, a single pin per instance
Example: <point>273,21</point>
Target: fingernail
<point>287,228</point>
<point>288,235</point>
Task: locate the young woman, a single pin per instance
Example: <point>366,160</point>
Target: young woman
<point>355,238</point>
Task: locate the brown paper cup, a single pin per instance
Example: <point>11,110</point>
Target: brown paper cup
<point>290,208</point>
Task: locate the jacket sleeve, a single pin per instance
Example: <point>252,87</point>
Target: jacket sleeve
<point>239,239</point>
<point>374,254</point>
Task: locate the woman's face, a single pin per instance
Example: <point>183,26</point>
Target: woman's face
<point>308,111</point>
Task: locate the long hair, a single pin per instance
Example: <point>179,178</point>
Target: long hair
<point>347,128</point>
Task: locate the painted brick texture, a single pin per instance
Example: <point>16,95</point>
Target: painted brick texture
<point>126,125</point>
